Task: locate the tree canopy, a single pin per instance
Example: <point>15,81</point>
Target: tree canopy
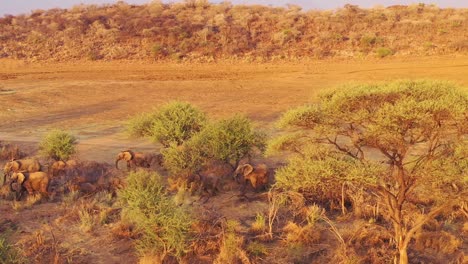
<point>406,140</point>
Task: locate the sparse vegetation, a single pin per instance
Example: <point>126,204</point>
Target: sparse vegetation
<point>58,145</point>
<point>183,31</point>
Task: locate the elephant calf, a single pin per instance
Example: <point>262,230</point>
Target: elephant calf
<point>258,175</point>
<point>139,159</point>
<point>62,166</point>
<point>32,182</point>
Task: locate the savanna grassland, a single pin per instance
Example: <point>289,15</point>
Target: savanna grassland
<point>90,69</point>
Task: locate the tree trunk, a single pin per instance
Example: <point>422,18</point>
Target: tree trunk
<point>403,256</point>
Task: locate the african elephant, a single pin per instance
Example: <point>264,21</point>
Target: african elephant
<point>257,176</point>
<point>32,181</point>
<point>29,165</point>
<point>210,176</point>
<point>60,166</point>
<point>133,159</point>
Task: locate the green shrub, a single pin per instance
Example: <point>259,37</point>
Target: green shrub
<point>140,125</point>
<point>163,225</point>
<point>383,52</point>
<point>228,140</point>
<point>174,122</point>
<point>58,145</point>
<point>186,159</point>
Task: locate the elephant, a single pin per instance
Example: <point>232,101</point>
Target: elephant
<point>29,165</point>
<point>61,166</point>
<point>32,182</point>
<point>258,175</point>
<point>210,176</point>
<point>136,159</point>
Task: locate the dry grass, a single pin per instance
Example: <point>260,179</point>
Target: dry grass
<point>259,225</point>
<point>231,250</point>
<point>87,221</point>
<point>442,242</point>
<point>30,201</point>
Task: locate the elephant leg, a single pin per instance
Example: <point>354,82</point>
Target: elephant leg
<point>43,188</point>
<point>244,186</point>
<point>18,194</point>
<point>29,188</point>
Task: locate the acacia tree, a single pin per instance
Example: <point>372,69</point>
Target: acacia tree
<point>405,140</point>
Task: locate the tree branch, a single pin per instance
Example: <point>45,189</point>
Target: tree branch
<point>425,219</point>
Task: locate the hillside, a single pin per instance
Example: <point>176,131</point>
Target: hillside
<point>199,31</point>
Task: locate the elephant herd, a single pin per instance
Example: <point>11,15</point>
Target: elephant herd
<point>30,176</point>
<point>210,176</point>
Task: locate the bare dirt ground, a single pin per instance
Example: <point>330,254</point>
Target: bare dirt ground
<point>93,100</point>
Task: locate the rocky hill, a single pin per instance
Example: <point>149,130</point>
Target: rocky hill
<point>199,31</point>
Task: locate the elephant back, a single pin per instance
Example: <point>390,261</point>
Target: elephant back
<point>30,165</point>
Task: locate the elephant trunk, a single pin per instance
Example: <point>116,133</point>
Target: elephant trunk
<point>117,163</point>
<point>11,186</point>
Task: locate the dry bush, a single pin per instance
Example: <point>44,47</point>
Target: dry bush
<point>367,242</point>
<point>309,233</point>
<point>124,230</point>
<point>88,177</point>
<point>9,152</point>
<point>207,233</point>
<point>441,241</point>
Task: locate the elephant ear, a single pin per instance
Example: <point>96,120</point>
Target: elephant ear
<point>15,165</point>
<point>247,168</point>
<point>7,167</point>
<point>18,176</point>
<point>128,155</point>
